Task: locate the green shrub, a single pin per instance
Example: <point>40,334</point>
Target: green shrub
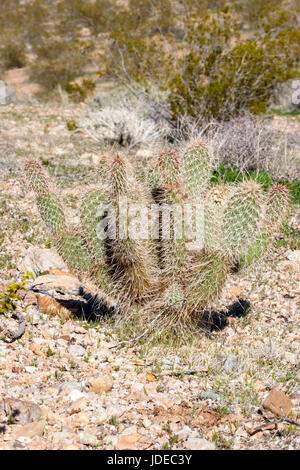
<point>59,62</point>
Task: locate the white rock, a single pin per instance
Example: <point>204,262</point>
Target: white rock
<point>75,395</point>
<point>87,439</point>
<point>195,443</point>
<point>294,256</point>
<point>138,391</point>
<point>30,369</point>
<point>185,433</point>
<point>115,411</point>
<point>39,260</point>
<point>147,423</point>
<point>77,351</point>
<point>68,387</point>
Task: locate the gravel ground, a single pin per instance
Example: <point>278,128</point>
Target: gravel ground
<point>64,386</point>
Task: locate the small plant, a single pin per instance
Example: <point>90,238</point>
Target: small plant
<point>164,279</point>
<point>123,126</point>
<point>8,304</point>
<point>8,300</point>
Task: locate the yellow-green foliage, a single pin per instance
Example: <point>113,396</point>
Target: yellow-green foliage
<point>11,296</point>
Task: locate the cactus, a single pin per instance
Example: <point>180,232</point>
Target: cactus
<point>243,217</point>
<point>196,170</point>
<point>207,277</point>
<point>275,213</point>
<point>166,279</point>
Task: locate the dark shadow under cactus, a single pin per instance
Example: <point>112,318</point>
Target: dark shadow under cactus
<point>94,308</point>
<point>216,321</point>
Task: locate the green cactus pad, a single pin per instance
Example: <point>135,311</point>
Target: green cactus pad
<point>207,278</point>
<point>73,250</point>
<point>196,171</point>
<point>242,219</point>
<point>52,214</point>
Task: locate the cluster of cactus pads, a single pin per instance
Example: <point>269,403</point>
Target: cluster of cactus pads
<point>167,281</point>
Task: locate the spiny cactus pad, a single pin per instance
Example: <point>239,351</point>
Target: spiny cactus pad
<point>196,170</point>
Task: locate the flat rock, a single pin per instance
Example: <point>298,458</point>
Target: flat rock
<point>40,260</point>
<point>275,401</point>
<point>77,351</point>
<point>100,384</point>
<point>19,411</point>
<point>67,387</point>
<point>65,283</point>
<point>195,443</point>
<point>87,439</point>
<point>30,430</point>
<point>133,442</point>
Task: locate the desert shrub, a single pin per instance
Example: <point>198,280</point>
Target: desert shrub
<point>12,54</point>
<point>249,144</point>
<point>59,62</point>
<point>245,142</point>
<point>80,90</point>
<point>214,59</point>
<point>208,67</point>
<point>122,126</point>
<point>93,14</point>
<point>230,82</point>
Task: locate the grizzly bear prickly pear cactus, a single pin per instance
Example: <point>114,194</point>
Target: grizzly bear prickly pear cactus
<point>193,233</point>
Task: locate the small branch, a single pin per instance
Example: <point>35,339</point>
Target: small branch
<point>13,336</point>
<point>178,373</point>
<point>283,419</point>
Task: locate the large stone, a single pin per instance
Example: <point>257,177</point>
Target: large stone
<point>30,430</point>
<point>101,384</point>
<point>19,411</point>
<point>275,401</point>
<point>7,94</point>
<point>40,260</point>
<point>133,442</point>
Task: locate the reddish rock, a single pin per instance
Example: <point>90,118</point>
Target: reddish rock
<point>275,401</point>
<point>133,442</point>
